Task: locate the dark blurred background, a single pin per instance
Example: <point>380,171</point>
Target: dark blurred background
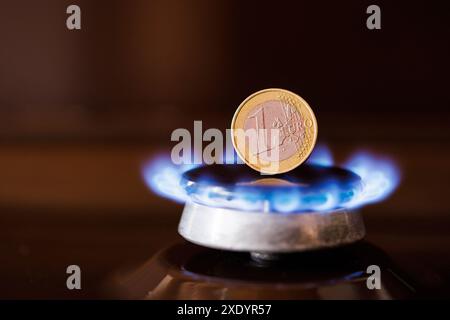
<point>80,111</point>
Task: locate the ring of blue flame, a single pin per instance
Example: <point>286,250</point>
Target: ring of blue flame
<point>379,178</point>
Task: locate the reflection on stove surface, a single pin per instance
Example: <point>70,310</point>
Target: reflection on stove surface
<point>188,271</point>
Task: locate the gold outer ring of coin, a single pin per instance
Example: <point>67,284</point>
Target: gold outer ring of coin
<point>281,95</point>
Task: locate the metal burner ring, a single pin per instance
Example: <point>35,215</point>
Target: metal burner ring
<point>234,230</point>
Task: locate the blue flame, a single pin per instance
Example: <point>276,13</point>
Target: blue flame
<point>163,178</point>
<point>321,155</point>
<point>379,178</point>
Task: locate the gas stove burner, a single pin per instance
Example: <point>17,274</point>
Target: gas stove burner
<point>234,208</point>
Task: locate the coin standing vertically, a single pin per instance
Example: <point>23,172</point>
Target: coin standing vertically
<point>274,131</point>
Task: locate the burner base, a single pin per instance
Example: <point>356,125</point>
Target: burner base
<point>234,230</point>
